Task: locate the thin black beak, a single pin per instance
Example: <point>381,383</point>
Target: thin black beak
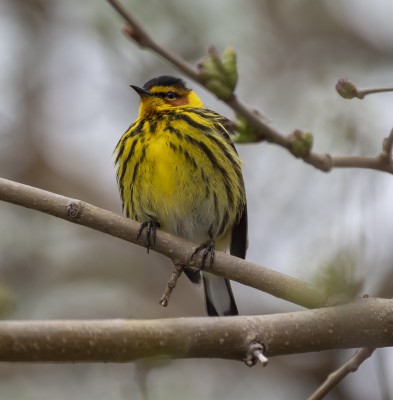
<point>142,92</point>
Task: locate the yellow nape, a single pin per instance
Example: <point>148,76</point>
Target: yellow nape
<point>194,100</point>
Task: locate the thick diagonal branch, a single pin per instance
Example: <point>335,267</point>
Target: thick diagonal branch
<point>79,212</point>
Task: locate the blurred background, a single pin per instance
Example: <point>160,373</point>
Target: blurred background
<point>65,68</point>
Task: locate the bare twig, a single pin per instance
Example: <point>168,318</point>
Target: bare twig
<point>206,337</point>
<point>376,163</point>
<point>79,212</point>
<point>323,162</point>
<point>337,376</point>
<point>362,93</point>
<point>135,31</point>
<point>176,272</point>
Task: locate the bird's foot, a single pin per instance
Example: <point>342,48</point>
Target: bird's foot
<point>151,231</point>
<point>207,247</point>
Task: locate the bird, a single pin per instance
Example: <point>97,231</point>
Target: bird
<point>178,170</point>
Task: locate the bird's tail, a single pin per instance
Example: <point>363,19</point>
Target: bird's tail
<point>218,296</point>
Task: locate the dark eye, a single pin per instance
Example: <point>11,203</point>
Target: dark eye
<point>171,95</point>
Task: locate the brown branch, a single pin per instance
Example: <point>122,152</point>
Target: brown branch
<point>337,376</point>
<point>323,162</point>
<point>364,322</point>
<point>178,249</point>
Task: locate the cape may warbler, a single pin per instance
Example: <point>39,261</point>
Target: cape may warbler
<point>178,169</point>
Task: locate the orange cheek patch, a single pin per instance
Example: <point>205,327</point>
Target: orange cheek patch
<point>181,101</point>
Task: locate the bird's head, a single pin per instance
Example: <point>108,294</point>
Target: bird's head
<point>165,92</point>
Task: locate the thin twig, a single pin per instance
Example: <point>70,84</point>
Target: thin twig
<point>178,267</point>
<point>137,32</point>
<point>362,93</point>
<point>337,376</point>
<point>323,162</point>
<point>375,163</point>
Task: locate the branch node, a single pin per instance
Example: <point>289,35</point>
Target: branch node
<point>74,209</point>
<point>325,162</point>
<point>256,352</point>
<point>178,267</point>
<point>301,142</point>
<point>133,34</point>
<point>246,132</point>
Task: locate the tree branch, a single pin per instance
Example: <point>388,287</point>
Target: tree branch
<point>178,249</point>
<point>337,376</point>
<point>364,322</point>
<point>264,131</point>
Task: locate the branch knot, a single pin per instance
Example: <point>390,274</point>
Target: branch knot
<point>74,209</point>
